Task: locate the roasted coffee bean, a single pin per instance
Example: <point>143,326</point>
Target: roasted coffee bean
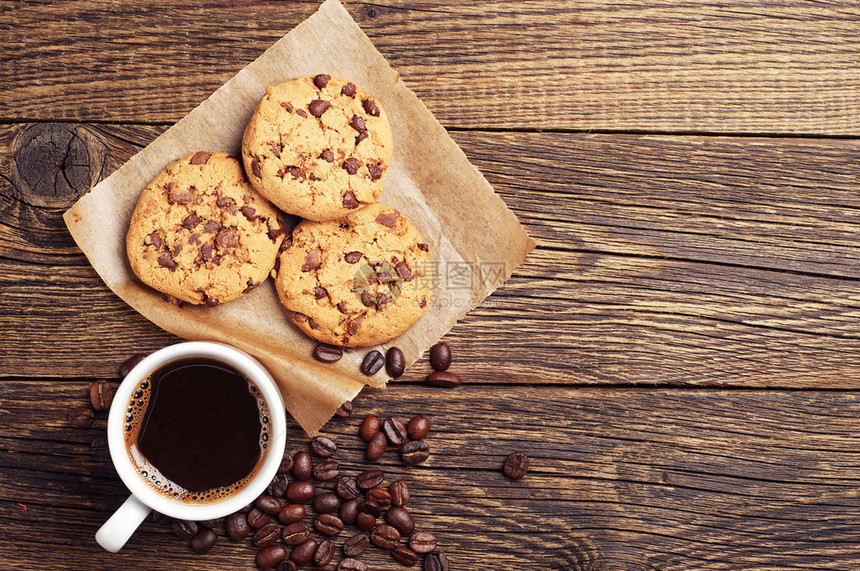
<point>385,536</point>
<point>326,503</point>
<point>405,556</point>
<point>347,488</point>
<point>267,535</point>
<point>395,362</point>
<point>257,519</point>
<point>350,564</point>
<point>245,509</point>
<point>440,356</point>
<point>444,379</point>
<point>130,364</point>
<point>296,533</point>
<point>81,417</point>
<point>377,446</point>
<point>324,553</point>
<point>516,465</point>
<point>327,353</point>
<point>203,541</point>
<point>418,428</point>
<point>401,519</point>
<point>185,529</point>
<point>303,465</point>
<point>379,495</point>
<point>268,505</point>
<point>369,507</point>
<point>286,463</point>
<point>271,556</point>
<point>291,513</point>
<point>237,527</point>
<point>323,447</point>
<point>301,492</point>
<point>288,565</point>
<point>328,524</point>
<point>365,521</point>
<point>356,545</point>
<point>101,395</point>
<point>325,471</point>
<point>344,410</point>
<point>394,431</point>
<point>372,362</point>
<point>422,542</point>
<point>278,486</point>
<point>436,561</point>
<point>304,552</point>
<point>369,427</point>
<point>399,493</point>
<point>99,447</point>
<point>210,523</point>
<point>369,479</point>
<point>414,452</point>
<point>349,511</point>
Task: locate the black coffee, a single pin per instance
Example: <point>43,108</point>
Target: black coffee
<point>197,429</point>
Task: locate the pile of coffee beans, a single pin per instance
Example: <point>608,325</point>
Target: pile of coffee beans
<point>409,439</point>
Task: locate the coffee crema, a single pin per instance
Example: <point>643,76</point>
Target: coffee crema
<point>197,430</point>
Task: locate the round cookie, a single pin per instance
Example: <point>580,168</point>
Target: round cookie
<point>357,281</point>
<point>201,234</point>
<point>318,147</point>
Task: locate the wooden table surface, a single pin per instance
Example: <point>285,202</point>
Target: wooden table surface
<point>680,356</point>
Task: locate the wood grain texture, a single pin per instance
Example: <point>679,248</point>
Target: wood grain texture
<point>619,479</point>
<point>661,260</point>
<point>786,66</point>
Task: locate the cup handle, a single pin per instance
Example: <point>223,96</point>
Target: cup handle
<point>118,528</point>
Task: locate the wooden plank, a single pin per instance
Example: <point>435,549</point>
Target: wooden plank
<point>785,66</point>
<point>661,260</point>
<point>619,479</point>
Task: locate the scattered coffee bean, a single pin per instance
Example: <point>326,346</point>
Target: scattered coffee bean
<point>237,527</point>
<point>301,492</point>
<point>291,513</point>
<point>326,503</point>
<point>347,488</point>
<point>278,486</point>
<point>271,556</point>
<point>444,379</point>
<point>325,471</point>
<point>267,535</point>
<point>401,520</point>
<point>365,520</point>
<point>394,431</point>
<point>304,552</point>
<point>516,465</point>
<point>414,452</point>
<point>369,427</point>
<point>377,446</point>
<point>349,511</point>
<point>101,395</point>
<point>185,529</point>
<point>268,505</point>
<point>405,556</point>
<point>328,524</point>
<point>327,353</point>
<point>399,493</point>
<point>372,362</point>
<point>369,506</point>
<point>130,364</point>
<point>356,545</point>
<point>379,495</point>
<point>323,447</point>
<point>324,553</point>
<point>385,536</point>
<point>369,479</point>
<point>288,565</point>
<point>303,465</point>
<point>81,417</point>
<point>286,463</point>
<point>440,356</point>
<point>418,428</point>
<point>350,564</point>
<point>344,410</point>
<point>296,533</point>
<point>422,542</point>
<point>436,561</point>
<point>395,362</point>
<point>257,519</point>
<point>203,541</point>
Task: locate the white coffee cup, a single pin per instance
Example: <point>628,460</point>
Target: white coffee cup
<point>144,498</point>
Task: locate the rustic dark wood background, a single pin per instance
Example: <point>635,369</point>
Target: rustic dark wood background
<point>680,355</point>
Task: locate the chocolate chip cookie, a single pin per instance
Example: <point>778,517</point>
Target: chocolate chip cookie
<point>201,234</point>
<point>318,147</point>
<point>358,281</point>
